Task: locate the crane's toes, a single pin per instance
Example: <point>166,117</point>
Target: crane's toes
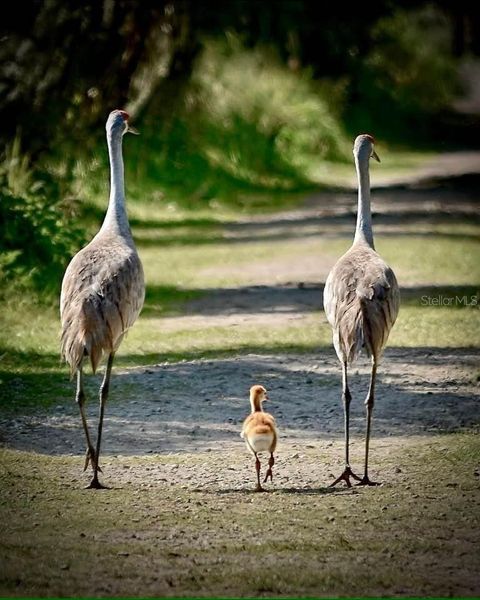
<point>268,474</point>
<point>366,481</point>
<point>259,488</point>
<point>96,485</point>
<point>345,476</point>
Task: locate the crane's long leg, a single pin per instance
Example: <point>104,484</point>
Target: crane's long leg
<point>103,400</point>
<point>257,467</point>
<point>369,402</point>
<point>346,399</point>
<point>80,400</point>
<point>271,462</point>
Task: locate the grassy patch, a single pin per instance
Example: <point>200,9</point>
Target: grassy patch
<point>146,537</point>
<point>438,273</point>
<point>204,341</point>
<point>396,163</point>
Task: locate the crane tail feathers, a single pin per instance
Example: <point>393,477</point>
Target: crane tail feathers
<point>365,326</point>
<point>349,334</point>
<point>86,333</point>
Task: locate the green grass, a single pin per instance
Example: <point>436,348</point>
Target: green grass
<point>396,163</point>
<point>178,272</point>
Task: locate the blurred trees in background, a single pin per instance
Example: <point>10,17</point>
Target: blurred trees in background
<point>64,65</point>
<point>233,94</point>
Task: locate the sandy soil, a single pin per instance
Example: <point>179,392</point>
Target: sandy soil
<point>200,405</point>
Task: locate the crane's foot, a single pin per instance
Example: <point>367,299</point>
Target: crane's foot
<point>259,488</point>
<point>96,485</point>
<point>268,474</point>
<point>345,476</point>
<point>366,481</point>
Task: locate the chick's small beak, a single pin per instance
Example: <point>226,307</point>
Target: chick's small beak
<point>131,129</point>
<point>375,156</point>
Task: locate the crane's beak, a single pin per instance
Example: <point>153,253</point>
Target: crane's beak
<point>131,129</point>
<point>375,156</point>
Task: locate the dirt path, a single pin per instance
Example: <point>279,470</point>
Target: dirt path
<point>199,405</point>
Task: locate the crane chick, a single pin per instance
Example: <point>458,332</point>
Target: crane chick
<point>259,432</point>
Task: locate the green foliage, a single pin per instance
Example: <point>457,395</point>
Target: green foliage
<point>36,235</point>
<point>243,123</point>
<point>243,129</point>
<point>407,77</point>
<point>252,90</point>
<point>411,59</point>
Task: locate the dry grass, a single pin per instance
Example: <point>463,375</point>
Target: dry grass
<point>157,533</point>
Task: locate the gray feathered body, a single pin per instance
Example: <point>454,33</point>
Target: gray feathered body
<point>102,294</point>
<point>361,301</point>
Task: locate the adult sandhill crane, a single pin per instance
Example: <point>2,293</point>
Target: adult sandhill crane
<point>361,301</point>
<point>102,291</point>
<point>259,432</point>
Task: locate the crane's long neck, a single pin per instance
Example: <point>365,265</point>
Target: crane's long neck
<point>116,217</point>
<point>363,232</point>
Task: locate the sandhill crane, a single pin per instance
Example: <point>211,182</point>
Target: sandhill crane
<point>259,432</point>
<point>102,291</point>
<point>361,301</point>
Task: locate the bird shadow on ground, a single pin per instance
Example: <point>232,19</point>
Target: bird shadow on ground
<point>313,491</point>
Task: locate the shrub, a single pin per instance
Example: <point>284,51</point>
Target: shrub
<point>36,236</point>
<point>249,98</point>
<point>408,76</point>
<point>242,123</point>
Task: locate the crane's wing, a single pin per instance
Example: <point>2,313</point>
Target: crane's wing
<point>102,294</point>
<point>361,301</point>
<point>379,300</point>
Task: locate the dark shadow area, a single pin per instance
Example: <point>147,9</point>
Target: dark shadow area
<point>249,299</point>
<point>432,201</point>
<point>313,227</point>
<point>166,299</point>
<point>430,354</point>
<point>200,405</point>
<point>229,350</point>
<point>321,491</point>
<point>188,240</point>
<point>442,296</point>
<point>36,360</point>
<point>191,222</point>
<point>296,297</point>
<point>464,183</point>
